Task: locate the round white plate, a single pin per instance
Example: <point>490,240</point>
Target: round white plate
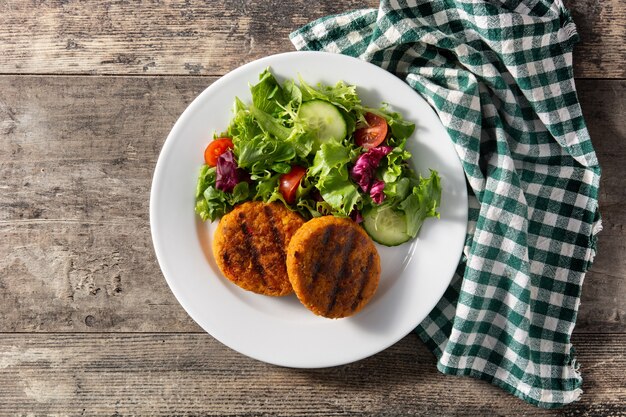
<point>280,330</point>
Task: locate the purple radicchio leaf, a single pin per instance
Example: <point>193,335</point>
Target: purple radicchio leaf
<point>356,216</point>
<point>228,175</point>
<point>316,196</point>
<point>376,192</point>
<point>364,169</point>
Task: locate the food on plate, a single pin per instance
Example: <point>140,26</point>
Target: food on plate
<point>216,148</point>
<point>333,266</point>
<point>250,246</point>
<point>296,153</point>
<point>290,182</point>
<point>318,151</point>
<point>373,134</point>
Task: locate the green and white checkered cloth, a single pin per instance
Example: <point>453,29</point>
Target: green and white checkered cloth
<point>499,74</point>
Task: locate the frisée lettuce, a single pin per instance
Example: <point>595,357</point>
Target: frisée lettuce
<point>320,151</point>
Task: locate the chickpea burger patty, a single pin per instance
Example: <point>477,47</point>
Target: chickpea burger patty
<point>250,246</point>
<point>333,266</point>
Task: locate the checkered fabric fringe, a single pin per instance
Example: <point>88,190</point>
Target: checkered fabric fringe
<point>499,75</point>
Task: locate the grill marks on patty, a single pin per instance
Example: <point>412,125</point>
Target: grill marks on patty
<point>250,251</point>
<point>321,246</point>
<point>340,277</point>
<point>277,235</point>
<point>250,246</point>
<point>365,271</point>
<point>333,266</point>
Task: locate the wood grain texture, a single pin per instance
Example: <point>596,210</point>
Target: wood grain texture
<point>185,374</point>
<point>195,37</point>
<point>601,26</point>
<point>150,37</point>
<point>603,306</point>
<point>76,161</point>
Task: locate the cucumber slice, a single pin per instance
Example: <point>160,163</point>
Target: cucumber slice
<point>324,120</point>
<point>386,225</point>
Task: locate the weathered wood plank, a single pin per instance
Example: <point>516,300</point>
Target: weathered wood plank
<point>76,160</point>
<point>603,305</point>
<point>211,38</point>
<point>602,29</point>
<point>166,374</point>
<point>146,37</point>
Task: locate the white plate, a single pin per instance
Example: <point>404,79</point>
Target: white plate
<point>280,330</point>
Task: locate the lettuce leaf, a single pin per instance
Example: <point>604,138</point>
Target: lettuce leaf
<point>292,92</point>
<point>331,166</point>
<point>341,94</point>
<point>214,203</point>
<point>205,178</point>
<point>338,191</point>
<point>242,125</point>
<point>395,166</point>
<point>267,95</point>
<point>263,152</point>
<point>270,124</point>
<point>266,186</point>
<point>398,190</point>
<point>422,203</point>
<point>332,154</point>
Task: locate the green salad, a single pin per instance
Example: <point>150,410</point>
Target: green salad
<point>319,151</point>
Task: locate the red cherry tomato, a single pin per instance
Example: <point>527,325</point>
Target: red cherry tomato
<point>289,183</point>
<point>373,134</point>
<point>215,149</point>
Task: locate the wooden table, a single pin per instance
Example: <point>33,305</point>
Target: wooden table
<point>88,92</point>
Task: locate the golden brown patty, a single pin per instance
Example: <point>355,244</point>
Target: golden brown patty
<point>250,246</point>
<point>333,266</point>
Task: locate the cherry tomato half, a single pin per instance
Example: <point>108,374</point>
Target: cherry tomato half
<point>215,149</point>
<point>289,183</point>
<point>373,134</point>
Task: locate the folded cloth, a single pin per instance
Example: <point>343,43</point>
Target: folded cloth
<point>499,75</point>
